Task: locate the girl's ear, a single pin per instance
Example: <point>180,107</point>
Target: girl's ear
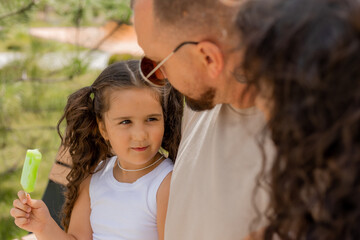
<point>102,129</point>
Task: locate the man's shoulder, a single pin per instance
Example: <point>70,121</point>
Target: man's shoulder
<point>221,110</point>
<point>195,123</point>
<point>190,114</point>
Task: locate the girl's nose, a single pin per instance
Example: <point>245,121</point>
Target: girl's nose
<point>139,134</point>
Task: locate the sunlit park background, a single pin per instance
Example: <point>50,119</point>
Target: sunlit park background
<point>48,49</point>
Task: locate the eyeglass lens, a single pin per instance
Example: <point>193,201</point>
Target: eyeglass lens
<point>157,78</point>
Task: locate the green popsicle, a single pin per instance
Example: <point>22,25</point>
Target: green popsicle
<point>30,169</point>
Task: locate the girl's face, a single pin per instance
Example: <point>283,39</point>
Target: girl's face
<point>134,125</point>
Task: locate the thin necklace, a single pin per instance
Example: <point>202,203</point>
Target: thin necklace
<point>136,170</point>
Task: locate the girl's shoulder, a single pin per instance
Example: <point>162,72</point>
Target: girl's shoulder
<point>165,166</point>
<point>168,162</point>
<point>160,172</point>
<point>103,169</point>
<point>104,165</point>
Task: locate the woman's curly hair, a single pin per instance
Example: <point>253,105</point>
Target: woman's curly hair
<point>82,138</point>
<point>304,55</point>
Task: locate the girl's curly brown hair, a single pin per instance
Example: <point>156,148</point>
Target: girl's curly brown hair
<point>82,138</point>
<point>305,56</point>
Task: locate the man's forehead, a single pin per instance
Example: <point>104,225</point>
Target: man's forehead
<point>148,31</point>
<point>142,22</point>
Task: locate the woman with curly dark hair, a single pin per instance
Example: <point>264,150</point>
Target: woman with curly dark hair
<point>116,130</point>
<point>303,57</point>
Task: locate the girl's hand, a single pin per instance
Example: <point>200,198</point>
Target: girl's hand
<point>30,215</point>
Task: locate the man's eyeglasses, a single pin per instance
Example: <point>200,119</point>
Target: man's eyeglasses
<point>151,71</point>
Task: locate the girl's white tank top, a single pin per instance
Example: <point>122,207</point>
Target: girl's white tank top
<point>125,210</point>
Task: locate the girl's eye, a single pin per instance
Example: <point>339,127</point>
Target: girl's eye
<point>125,122</point>
<point>152,119</point>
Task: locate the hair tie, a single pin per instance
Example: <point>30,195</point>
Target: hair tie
<point>92,92</point>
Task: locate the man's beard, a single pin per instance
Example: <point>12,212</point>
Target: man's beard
<point>205,102</point>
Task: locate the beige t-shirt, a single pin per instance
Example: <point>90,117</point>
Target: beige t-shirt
<point>211,193</point>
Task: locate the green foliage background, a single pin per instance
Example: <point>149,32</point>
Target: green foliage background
<point>32,98</point>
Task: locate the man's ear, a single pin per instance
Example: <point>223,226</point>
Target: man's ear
<point>102,129</point>
<point>212,58</point>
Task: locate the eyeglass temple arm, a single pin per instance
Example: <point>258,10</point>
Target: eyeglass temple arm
<point>165,59</point>
<point>184,43</point>
<point>159,65</point>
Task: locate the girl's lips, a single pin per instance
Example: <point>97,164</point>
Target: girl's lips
<point>140,149</point>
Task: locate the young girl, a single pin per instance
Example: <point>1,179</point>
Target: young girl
<point>126,123</point>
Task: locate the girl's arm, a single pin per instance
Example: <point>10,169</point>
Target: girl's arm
<point>80,226</point>
<point>162,198</point>
<point>33,216</point>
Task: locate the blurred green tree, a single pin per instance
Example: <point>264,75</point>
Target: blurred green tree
<point>16,17</point>
<point>32,98</point>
